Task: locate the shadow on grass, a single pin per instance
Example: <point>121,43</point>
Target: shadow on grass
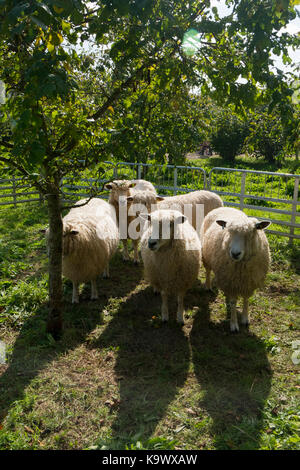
<point>295,257</point>
<point>235,374</point>
<point>151,365</point>
<point>153,362</point>
<point>34,349</point>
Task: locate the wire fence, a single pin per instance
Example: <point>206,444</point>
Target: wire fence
<point>263,194</point>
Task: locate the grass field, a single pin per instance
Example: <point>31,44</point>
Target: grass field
<point>120,379</point>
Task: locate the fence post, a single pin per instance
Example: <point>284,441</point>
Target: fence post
<point>41,198</point>
<point>115,172</point>
<point>204,180</point>
<point>139,171</point>
<point>14,191</point>
<point>294,209</point>
<point>175,181</point>
<point>208,182</point>
<point>243,185</point>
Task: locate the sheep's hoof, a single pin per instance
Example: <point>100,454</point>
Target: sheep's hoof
<point>209,290</point>
<point>234,328</point>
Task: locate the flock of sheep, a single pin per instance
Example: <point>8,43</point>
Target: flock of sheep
<point>176,235</point>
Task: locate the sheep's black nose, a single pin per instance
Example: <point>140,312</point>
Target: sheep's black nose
<point>151,244</point>
<point>236,254</point>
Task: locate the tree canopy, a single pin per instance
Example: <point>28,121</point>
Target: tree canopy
<point>66,65</point>
<point>91,79</point>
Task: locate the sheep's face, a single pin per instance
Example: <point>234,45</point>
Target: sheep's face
<point>164,228</point>
<point>240,238</point>
<point>144,201</point>
<point>119,191</point>
<point>70,233</point>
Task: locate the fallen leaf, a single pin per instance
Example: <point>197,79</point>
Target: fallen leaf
<point>112,403</point>
<point>28,429</point>
<point>190,411</point>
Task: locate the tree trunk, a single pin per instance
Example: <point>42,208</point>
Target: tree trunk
<point>54,323</point>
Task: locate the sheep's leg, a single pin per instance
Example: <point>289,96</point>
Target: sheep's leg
<point>164,307</point>
<point>180,309</point>
<point>231,308</point>
<point>136,258</point>
<point>208,279</point>
<point>125,250</point>
<point>245,313</point>
<point>94,290</point>
<point>75,294</point>
<point>106,272</point>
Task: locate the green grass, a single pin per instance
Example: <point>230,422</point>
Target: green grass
<point>119,379</point>
<point>247,162</point>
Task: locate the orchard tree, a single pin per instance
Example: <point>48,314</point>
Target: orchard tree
<point>60,97</point>
<point>157,124</point>
<point>228,134</point>
<point>266,135</point>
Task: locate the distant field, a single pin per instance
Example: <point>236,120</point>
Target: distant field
<point>120,379</point>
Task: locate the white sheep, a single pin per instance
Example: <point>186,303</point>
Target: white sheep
<point>171,252</point>
<point>90,238</point>
<point>195,205</point>
<point>236,249</point>
<point>119,191</point>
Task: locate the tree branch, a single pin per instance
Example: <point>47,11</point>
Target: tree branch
<point>12,163</point>
<point>116,93</point>
<point>89,198</point>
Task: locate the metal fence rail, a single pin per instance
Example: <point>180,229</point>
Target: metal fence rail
<point>261,193</point>
<point>13,189</point>
<point>166,178</point>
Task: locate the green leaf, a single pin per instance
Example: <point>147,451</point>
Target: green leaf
<point>37,152</point>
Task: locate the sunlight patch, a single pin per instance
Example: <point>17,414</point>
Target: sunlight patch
<point>2,92</point>
<point>2,352</point>
<point>191,42</point>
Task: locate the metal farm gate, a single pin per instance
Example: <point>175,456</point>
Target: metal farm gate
<point>274,196</point>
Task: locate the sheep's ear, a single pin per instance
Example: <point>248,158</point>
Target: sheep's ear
<point>159,198</point>
<point>180,219</point>
<point>108,186</point>
<point>222,223</point>
<point>145,216</point>
<point>262,224</point>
